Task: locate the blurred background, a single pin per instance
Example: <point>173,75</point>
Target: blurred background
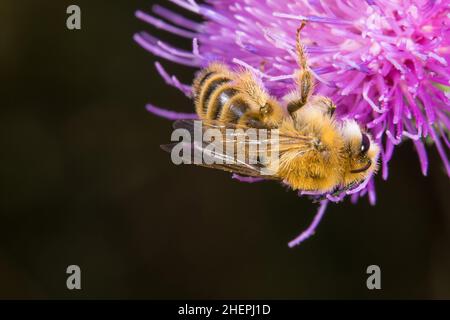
<point>83,181</point>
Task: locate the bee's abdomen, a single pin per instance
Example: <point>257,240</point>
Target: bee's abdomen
<point>207,91</point>
<point>237,108</point>
<point>218,98</point>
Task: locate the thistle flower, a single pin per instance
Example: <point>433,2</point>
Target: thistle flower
<point>384,63</point>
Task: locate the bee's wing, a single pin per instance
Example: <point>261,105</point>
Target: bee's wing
<point>219,162</point>
<point>285,140</point>
<point>217,158</point>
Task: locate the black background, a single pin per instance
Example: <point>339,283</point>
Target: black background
<point>83,181</point>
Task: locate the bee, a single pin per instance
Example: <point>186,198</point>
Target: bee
<point>317,151</point>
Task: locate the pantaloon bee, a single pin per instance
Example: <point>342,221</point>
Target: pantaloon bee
<point>317,152</point>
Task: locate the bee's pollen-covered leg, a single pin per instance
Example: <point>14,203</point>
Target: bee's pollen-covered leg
<point>304,77</point>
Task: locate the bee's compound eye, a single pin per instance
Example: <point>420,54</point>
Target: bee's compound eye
<point>365,143</point>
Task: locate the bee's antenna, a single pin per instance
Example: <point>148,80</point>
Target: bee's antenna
<point>300,49</point>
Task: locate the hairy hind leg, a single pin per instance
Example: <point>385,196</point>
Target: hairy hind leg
<point>304,77</point>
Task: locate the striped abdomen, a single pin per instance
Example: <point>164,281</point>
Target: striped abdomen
<point>217,98</point>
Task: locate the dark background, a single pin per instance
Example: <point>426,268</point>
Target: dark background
<point>83,181</point>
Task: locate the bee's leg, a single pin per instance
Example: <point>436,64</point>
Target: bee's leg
<point>304,78</point>
<point>326,104</point>
<point>305,84</point>
<point>350,186</point>
<point>265,108</point>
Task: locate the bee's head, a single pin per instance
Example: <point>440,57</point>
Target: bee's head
<point>360,151</point>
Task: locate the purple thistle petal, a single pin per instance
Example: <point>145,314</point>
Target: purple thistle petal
<point>444,137</point>
<point>312,227</point>
<point>151,44</point>
<point>176,18</point>
<point>423,158</point>
<point>371,191</point>
<point>360,187</point>
<point>354,198</point>
<point>160,24</point>
<point>440,149</point>
<point>336,199</point>
<point>169,114</point>
<point>173,81</point>
<point>309,193</point>
<point>246,179</point>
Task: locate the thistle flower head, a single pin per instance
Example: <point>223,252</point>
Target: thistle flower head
<point>384,63</point>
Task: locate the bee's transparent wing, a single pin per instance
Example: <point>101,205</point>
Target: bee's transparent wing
<point>212,154</point>
<point>284,140</point>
